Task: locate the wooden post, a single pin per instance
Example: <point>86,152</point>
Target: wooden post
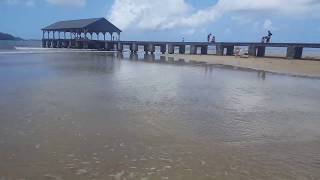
<point>182,49</point>
<point>219,50</point>
<point>145,48</point>
<point>134,47</point>
<point>261,51</point>
<point>104,36</point>
<point>252,50</point>
<point>193,49</point>
<point>163,48</point>
<point>151,48</point>
<point>43,40</point>
<point>294,52</point>
<point>120,47</point>
<point>230,50</point>
<point>170,48</point>
<point>110,35</point>
<point>48,34</point>
<point>204,50</point>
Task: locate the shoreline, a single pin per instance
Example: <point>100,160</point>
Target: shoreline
<point>275,65</point>
<point>35,50</point>
<point>281,66</point>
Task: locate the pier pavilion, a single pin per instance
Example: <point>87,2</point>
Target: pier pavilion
<point>74,34</point>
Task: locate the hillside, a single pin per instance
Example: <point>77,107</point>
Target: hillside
<point>5,36</point>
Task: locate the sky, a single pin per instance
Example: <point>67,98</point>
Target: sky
<point>172,20</point>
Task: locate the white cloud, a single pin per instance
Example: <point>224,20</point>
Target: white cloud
<point>146,14</point>
<point>189,32</point>
<point>242,20</point>
<point>267,24</point>
<point>74,3</point>
<point>283,7</point>
<point>167,14</point>
<point>78,3</point>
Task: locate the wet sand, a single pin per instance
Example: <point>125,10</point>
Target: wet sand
<point>308,68</point>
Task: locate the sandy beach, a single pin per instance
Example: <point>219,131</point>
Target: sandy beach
<point>275,65</point>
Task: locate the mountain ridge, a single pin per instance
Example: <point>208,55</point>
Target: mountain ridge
<point>6,36</point>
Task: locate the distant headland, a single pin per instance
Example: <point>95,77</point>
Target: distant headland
<point>5,36</point>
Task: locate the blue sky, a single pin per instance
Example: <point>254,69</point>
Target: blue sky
<point>228,20</point>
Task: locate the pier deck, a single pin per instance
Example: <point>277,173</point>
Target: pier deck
<point>294,50</point>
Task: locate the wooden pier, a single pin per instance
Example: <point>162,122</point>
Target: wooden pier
<point>78,31</point>
<point>294,50</point>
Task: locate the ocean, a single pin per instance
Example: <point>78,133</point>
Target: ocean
<point>11,45</point>
<point>97,115</point>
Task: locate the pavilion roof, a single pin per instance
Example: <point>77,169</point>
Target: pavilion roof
<point>90,25</point>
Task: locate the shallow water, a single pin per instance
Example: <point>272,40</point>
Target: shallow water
<point>80,116</point>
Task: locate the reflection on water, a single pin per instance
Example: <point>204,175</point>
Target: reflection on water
<point>262,75</point>
<point>80,116</point>
<point>155,58</point>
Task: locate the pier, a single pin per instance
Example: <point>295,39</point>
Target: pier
<point>75,34</point>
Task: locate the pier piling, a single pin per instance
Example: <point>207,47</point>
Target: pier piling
<point>252,50</point>
<point>294,52</point>
<point>204,50</point>
<point>182,49</point>
<point>261,51</point>
<point>151,48</point>
<point>193,49</point>
<point>170,48</point>
<point>134,48</point>
<point>163,48</point>
<point>230,50</point>
<point>219,50</point>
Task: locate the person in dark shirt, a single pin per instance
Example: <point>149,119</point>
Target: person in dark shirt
<point>268,38</point>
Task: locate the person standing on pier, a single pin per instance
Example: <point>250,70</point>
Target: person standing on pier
<point>209,37</point>
<point>213,39</point>
<point>269,37</point>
